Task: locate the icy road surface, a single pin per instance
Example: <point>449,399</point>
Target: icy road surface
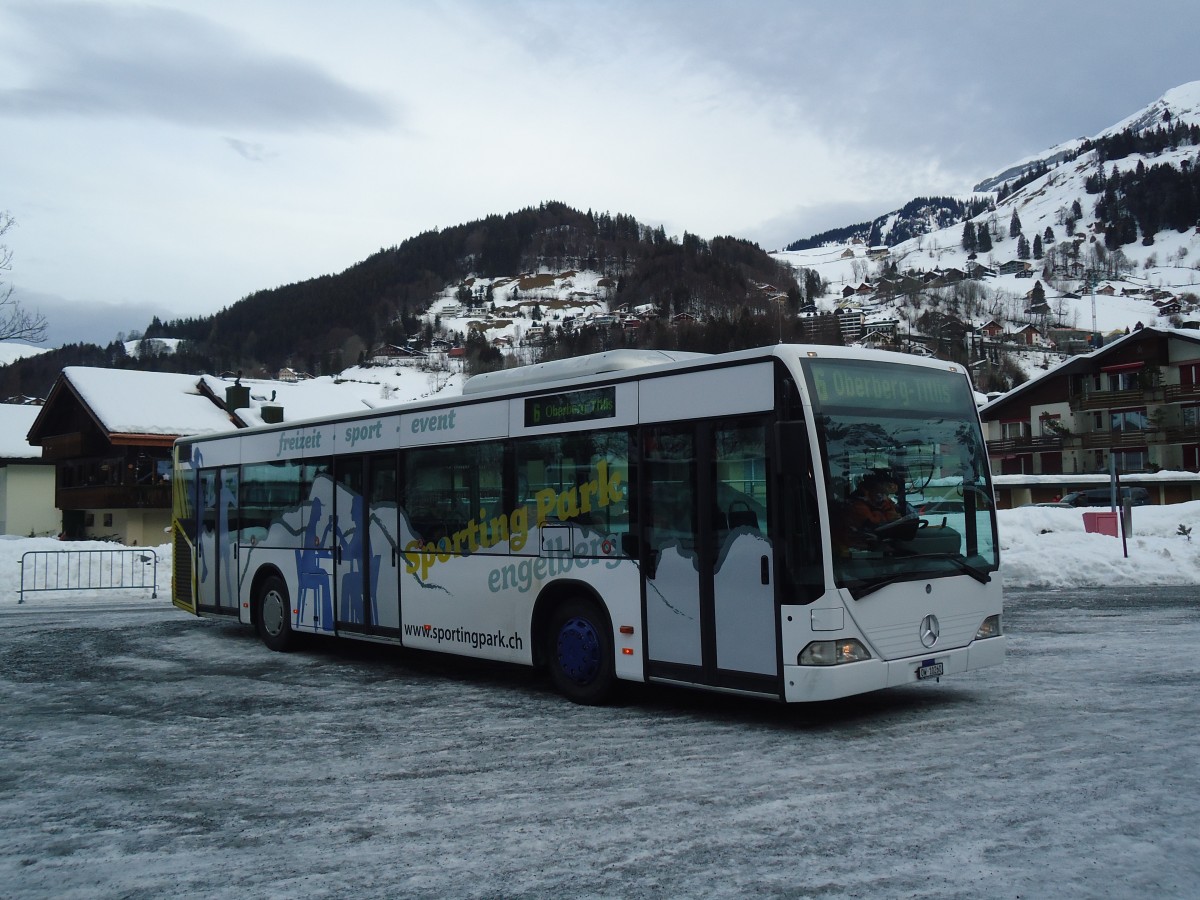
<point>145,753</point>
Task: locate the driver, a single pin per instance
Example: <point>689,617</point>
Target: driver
<point>870,505</point>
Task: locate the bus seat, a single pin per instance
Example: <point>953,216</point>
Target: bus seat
<point>742,516</point>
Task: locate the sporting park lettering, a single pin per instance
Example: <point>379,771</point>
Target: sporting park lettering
<point>477,639</point>
<point>482,533</point>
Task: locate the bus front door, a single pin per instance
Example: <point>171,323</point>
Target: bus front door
<point>217,575</point>
<point>710,606</point>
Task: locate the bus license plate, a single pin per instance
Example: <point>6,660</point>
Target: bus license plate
<point>931,671</point>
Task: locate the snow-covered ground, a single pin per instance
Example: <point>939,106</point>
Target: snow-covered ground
<point>147,753</point>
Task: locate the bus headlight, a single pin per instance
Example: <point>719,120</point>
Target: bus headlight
<point>990,628</point>
<point>832,653</point>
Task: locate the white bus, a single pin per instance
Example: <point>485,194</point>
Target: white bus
<point>637,515</point>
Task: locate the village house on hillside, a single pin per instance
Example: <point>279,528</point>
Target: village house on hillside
<point>1135,402</point>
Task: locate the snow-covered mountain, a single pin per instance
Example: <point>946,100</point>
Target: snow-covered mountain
<point>11,351</point>
<point>1047,259</point>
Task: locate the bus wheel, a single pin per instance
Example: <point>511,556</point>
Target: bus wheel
<point>580,652</point>
<point>275,615</point>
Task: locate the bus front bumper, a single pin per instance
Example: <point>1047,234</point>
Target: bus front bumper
<point>806,684</point>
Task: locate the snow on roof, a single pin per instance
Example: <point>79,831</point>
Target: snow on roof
<point>128,401</point>
<point>354,390</point>
<point>15,422</point>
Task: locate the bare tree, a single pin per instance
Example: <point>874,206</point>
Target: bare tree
<point>15,321</point>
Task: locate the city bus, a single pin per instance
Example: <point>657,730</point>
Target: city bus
<point>637,516</point>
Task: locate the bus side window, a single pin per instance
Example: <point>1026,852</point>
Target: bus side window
<point>580,478</point>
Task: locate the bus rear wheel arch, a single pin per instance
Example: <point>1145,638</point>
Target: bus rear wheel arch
<point>273,614</point>
<point>578,650</point>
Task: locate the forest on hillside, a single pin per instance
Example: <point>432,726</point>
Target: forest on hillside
<point>326,323</point>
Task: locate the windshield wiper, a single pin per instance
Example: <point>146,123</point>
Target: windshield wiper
<point>860,589</point>
<point>978,574</point>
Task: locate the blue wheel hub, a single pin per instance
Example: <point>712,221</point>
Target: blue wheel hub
<point>579,650</point>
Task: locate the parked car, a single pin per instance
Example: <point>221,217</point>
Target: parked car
<point>940,507</point>
<point>1103,497</point>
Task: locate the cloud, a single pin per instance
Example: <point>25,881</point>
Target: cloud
<point>250,150</point>
<point>82,321</point>
<point>91,60</point>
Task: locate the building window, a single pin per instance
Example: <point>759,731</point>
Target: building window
<point>1052,463</point>
<point>1021,464</point>
<point>1132,460</point>
<point>1122,381</point>
<point>1051,424</point>
<point>1189,374</point>
<point>1014,430</point>
<point>1190,416</point>
<point>1127,420</point>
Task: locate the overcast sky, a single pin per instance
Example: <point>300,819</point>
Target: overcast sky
<point>170,157</point>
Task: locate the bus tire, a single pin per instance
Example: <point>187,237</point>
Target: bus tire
<point>579,652</point>
<point>274,617</point>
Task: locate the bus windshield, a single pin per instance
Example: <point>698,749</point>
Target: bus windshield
<point>906,473</point>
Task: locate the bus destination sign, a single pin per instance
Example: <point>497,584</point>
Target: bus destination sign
<point>884,386</point>
<point>577,406</point>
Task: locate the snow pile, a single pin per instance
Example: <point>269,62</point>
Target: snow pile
<point>1043,546</point>
<point>99,566</point>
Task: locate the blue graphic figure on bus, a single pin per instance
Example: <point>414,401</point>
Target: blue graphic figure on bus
<point>311,575</point>
<point>227,502</point>
<point>351,542</point>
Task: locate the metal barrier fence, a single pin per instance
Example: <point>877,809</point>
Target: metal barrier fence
<point>88,570</point>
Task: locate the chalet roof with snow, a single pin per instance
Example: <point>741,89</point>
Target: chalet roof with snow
<point>130,406</point>
<point>15,422</point>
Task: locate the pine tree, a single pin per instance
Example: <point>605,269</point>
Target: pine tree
<point>1022,247</point>
<point>1048,236</point>
<point>983,238</point>
<point>1037,246</point>
<point>968,238</point>
<point>1014,225</point>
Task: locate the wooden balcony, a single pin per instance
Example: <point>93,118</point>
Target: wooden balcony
<point>1025,445</point>
<point>1116,399</point>
<point>1182,393</point>
<point>115,496</point>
